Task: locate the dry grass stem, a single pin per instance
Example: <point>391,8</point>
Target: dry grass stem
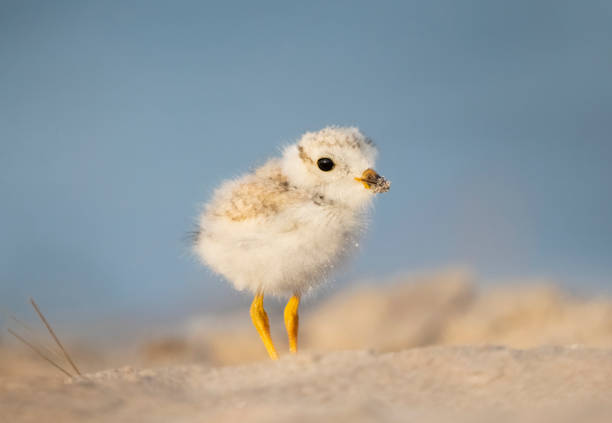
<point>37,351</point>
<point>34,335</point>
<point>57,341</point>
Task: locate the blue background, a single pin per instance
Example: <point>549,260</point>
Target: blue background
<point>118,119</point>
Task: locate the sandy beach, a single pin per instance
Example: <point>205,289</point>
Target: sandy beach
<point>424,384</point>
<point>430,348</point>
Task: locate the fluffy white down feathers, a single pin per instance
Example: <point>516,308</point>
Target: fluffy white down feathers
<point>281,229</point>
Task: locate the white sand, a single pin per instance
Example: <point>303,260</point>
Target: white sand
<point>435,363</point>
<point>436,384</point>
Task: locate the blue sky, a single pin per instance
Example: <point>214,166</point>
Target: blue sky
<point>118,119</point>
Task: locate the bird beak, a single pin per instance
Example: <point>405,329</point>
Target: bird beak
<point>373,181</point>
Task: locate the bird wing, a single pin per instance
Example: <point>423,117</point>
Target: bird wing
<point>263,194</point>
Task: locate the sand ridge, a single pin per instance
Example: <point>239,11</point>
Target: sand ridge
<point>432,348</point>
<point>434,383</point>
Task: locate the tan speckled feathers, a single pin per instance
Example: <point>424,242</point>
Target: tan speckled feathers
<point>263,194</point>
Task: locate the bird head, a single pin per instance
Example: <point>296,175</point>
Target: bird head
<point>337,163</point>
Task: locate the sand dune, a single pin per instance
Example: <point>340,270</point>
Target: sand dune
<point>430,348</point>
<point>445,308</point>
<point>435,384</point>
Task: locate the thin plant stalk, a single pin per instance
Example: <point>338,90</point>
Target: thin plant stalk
<point>57,341</point>
<point>37,351</point>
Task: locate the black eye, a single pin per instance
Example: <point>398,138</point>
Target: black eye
<point>325,164</point>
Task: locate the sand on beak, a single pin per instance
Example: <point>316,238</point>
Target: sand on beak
<point>373,181</point>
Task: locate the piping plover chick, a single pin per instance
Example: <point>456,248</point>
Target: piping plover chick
<point>282,228</point>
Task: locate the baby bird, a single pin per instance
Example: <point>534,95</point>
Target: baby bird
<point>282,229</point>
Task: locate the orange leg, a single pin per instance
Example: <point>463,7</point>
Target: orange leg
<point>292,322</point>
<point>262,324</point>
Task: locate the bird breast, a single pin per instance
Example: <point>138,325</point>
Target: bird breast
<point>261,230</point>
